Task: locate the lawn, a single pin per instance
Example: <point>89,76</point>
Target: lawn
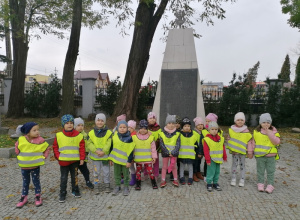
<point>6,141</point>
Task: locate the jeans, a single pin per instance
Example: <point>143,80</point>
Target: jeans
<point>35,175</point>
<point>64,172</point>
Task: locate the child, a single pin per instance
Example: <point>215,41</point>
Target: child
<point>69,150</point>
<point>199,126</point>
<point>99,143</point>
<point>131,128</point>
<point>189,142</point>
<point>215,154</point>
<point>178,129</point>
<point>170,145</point>
<point>31,150</point>
<point>121,156</point>
<point>144,153</point>
<point>154,128</point>
<point>239,138</point>
<point>79,126</point>
<point>266,139</point>
<point>119,118</point>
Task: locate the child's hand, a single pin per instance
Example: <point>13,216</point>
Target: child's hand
<point>250,156</point>
<point>200,156</point>
<point>225,161</point>
<point>100,153</point>
<point>170,155</point>
<point>153,160</point>
<point>111,163</point>
<point>81,162</point>
<point>128,165</point>
<point>208,164</point>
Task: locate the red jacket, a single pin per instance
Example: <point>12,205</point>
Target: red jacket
<point>72,133</point>
<point>206,148</point>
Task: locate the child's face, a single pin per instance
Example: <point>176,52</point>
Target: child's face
<point>151,121</point>
<point>213,131</point>
<point>239,122</point>
<point>200,127</point>
<point>177,126</point>
<point>130,129</point>
<point>170,126</point>
<point>186,128</point>
<point>69,126</point>
<point>100,123</point>
<point>143,131</point>
<point>207,121</point>
<point>265,125</point>
<point>34,132</point>
<point>122,129</point>
<point>79,128</point>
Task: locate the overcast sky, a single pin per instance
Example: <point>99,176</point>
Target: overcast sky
<point>252,31</point>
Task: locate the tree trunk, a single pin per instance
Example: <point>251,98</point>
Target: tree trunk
<point>20,52</point>
<point>7,41</point>
<point>70,61</point>
<point>145,25</point>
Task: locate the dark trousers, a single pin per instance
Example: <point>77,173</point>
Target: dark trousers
<point>64,172</point>
<point>35,175</point>
<point>85,171</point>
<point>205,168</point>
<point>196,165</point>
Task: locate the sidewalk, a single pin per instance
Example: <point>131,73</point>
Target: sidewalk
<point>185,202</point>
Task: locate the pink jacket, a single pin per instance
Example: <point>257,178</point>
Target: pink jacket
<point>153,146</point>
<point>250,144</point>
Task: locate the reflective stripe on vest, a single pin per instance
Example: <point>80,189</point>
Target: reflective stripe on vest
<point>68,146</point>
<point>215,149</point>
<point>99,143</point>
<point>238,141</point>
<point>120,151</point>
<point>142,150</point>
<point>187,147</point>
<point>169,143</point>
<point>31,155</point>
<point>263,145</point>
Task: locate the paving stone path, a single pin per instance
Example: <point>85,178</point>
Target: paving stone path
<point>185,202</point>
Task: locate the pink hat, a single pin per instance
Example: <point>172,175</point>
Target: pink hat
<point>198,120</point>
<point>151,115</point>
<point>212,117</point>
<point>121,118</point>
<point>132,123</point>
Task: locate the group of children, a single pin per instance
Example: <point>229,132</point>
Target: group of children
<point>136,152</point>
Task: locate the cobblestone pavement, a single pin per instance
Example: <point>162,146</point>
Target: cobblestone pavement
<point>188,202</point>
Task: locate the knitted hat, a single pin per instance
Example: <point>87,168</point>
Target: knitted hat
<point>25,129</point>
<point>100,116</point>
<point>198,121</point>
<point>171,119</point>
<point>122,122</point>
<point>66,118</point>
<point>266,117</point>
<point>78,121</point>
<point>143,124</point>
<point>239,115</point>
<point>212,117</point>
<point>18,131</point>
<point>178,119</point>
<point>212,124</point>
<point>185,121</point>
<point>132,124</point>
<point>121,118</point>
<point>151,115</point>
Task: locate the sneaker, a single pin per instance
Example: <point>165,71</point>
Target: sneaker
<point>260,187</point>
<point>89,184</point>
<point>242,183</point>
<point>209,187</point>
<point>205,179</point>
<point>175,183</point>
<point>190,181</point>
<point>62,198</point>
<point>23,201</point>
<point>76,194</point>
<point>38,200</point>
<point>163,184</point>
<point>269,189</point>
<point>126,191</point>
<point>116,190</point>
<point>97,188</point>
<point>217,187</point>
<point>154,185</point>
<point>233,182</point>
<point>107,188</point>
<point>182,180</point>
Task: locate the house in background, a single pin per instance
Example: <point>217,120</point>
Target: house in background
<point>38,77</point>
<point>212,90</point>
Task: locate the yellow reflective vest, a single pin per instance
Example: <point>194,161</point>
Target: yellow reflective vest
<point>215,149</point>
<point>156,136</point>
<point>187,147</point>
<point>263,145</point>
<point>99,144</point>
<point>169,143</point>
<point>238,141</point>
<point>120,151</point>
<point>31,155</point>
<point>68,147</point>
<point>206,132</point>
<point>142,150</point>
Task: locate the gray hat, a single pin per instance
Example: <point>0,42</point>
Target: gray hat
<point>101,116</point>
<point>171,119</point>
<point>78,121</point>
<point>266,117</point>
<point>212,124</point>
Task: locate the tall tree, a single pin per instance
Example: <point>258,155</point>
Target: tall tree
<point>292,7</point>
<point>285,70</point>
<point>147,17</point>
<point>5,11</point>
<point>251,75</point>
<point>297,77</point>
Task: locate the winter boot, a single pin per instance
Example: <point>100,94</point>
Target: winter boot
<point>242,183</point>
<point>269,189</point>
<point>89,184</point>
<point>195,178</point>
<point>138,185</point>
<point>233,182</point>
<point>182,180</point>
<point>116,190</point>
<point>97,188</point>
<point>199,176</point>
<point>260,187</point>
<point>62,197</point>
<point>23,201</point>
<point>133,180</point>
<point>154,185</point>
<point>126,191</point>
<point>190,181</point>
<point>38,200</point>
<point>107,188</point>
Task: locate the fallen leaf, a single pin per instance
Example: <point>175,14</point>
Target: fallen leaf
<point>74,208</point>
<point>11,195</point>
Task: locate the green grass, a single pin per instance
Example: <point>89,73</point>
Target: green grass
<point>6,141</point>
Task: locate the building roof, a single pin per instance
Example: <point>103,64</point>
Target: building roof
<point>95,74</point>
<point>219,84</point>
